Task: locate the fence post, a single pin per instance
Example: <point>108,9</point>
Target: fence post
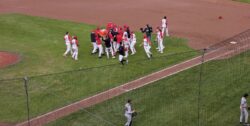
<point>200,82</point>
<point>27,98</point>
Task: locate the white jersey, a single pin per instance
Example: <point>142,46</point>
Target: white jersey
<point>67,39</point>
<point>133,37</point>
<point>125,34</point>
<point>128,109</point>
<point>159,35</point>
<point>74,44</point>
<point>243,102</point>
<point>164,23</point>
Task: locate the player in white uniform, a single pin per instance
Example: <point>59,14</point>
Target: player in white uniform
<point>164,25</point>
<point>243,109</point>
<point>133,42</point>
<point>128,113</point>
<point>146,43</point>
<point>159,38</point>
<point>75,45</point>
<point>126,45</point>
<point>67,40</point>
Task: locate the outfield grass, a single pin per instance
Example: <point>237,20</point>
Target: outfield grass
<point>245,1</point>
<point>40,42</point>
<point>173,101</point>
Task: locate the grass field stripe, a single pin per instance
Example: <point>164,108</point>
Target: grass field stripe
<point>177,72</point>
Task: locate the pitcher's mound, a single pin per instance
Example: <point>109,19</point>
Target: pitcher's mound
<point>8,58</point>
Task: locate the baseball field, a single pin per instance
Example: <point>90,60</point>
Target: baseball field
<point>186,85</point>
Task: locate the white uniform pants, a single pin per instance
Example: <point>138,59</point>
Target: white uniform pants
<point>147,50</point>
<point>117,46</point>
<point>129,119</point>
<point>243,113</point>
<point>94,47</point>
<point>132,47</point>
<point>109,50</point>
<point>121,57</point>
<point>160,45</point>
<point>165,29</point>
<point>126,51</point>
<point>100,50</point>
<point>68,49</point>
<point>75,53</point>
<point>114,46</point>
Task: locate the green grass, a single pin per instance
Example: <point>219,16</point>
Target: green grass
<point>245,1</point>
<point>173,101</point>
<point>40,43</point>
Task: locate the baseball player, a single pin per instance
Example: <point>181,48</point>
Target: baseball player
<point>118,40</point>
<point>164,25</point>
<point>159,38</point>
<point>67,40</point>
<point>108,47</point>
<point>128,113</point>
<point>93,41</point>
<point>75,45</point>
<point>133,42</point>
<point>147,45</point>
<point>99,45</point>
<point>243,109</point>
<point>126,45</point>
<point>121,55</point>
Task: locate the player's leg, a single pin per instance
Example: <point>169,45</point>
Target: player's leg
<point>246,115</point>
<point>161,46</point>
<point>167,31</point>
<point>128,120</point>
<point>107,52</point>
<point>76,54</point>
<point>241,115</point>
<point>147,51</point>
<point>100,51</point>
<point>114,46</point>
<point>67,49</point>
<point>121,59</point>
<point>112,52</point>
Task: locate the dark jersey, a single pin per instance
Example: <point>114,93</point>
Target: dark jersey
<point>107,42</point>
<point>121,50</point>
<point>128,31</point>
<point>148,31</point>
<point>93,37</point>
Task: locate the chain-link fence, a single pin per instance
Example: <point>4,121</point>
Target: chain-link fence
<point>205,92</point>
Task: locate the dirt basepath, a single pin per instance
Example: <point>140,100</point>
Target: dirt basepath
<point>7,59</point>
<point>196,20</point>
<point>215,52</point>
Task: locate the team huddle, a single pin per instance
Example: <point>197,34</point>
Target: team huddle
<point>118,41</point>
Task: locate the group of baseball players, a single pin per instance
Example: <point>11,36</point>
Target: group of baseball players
<point>115,40</point>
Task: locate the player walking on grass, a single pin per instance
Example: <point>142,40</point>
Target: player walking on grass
<point>126,45</point>
<point>122,55</point>
<point>147,46</point>
<point>67,40</point>
<point>164,25</point>
<point>128,113</point>
<point>133,42</point>
<point>99,44</point>
<point>93,41</point>
<point>243,109</point>
<point>108,48</point>
<point>159,38</point>
<point>75,45</point>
